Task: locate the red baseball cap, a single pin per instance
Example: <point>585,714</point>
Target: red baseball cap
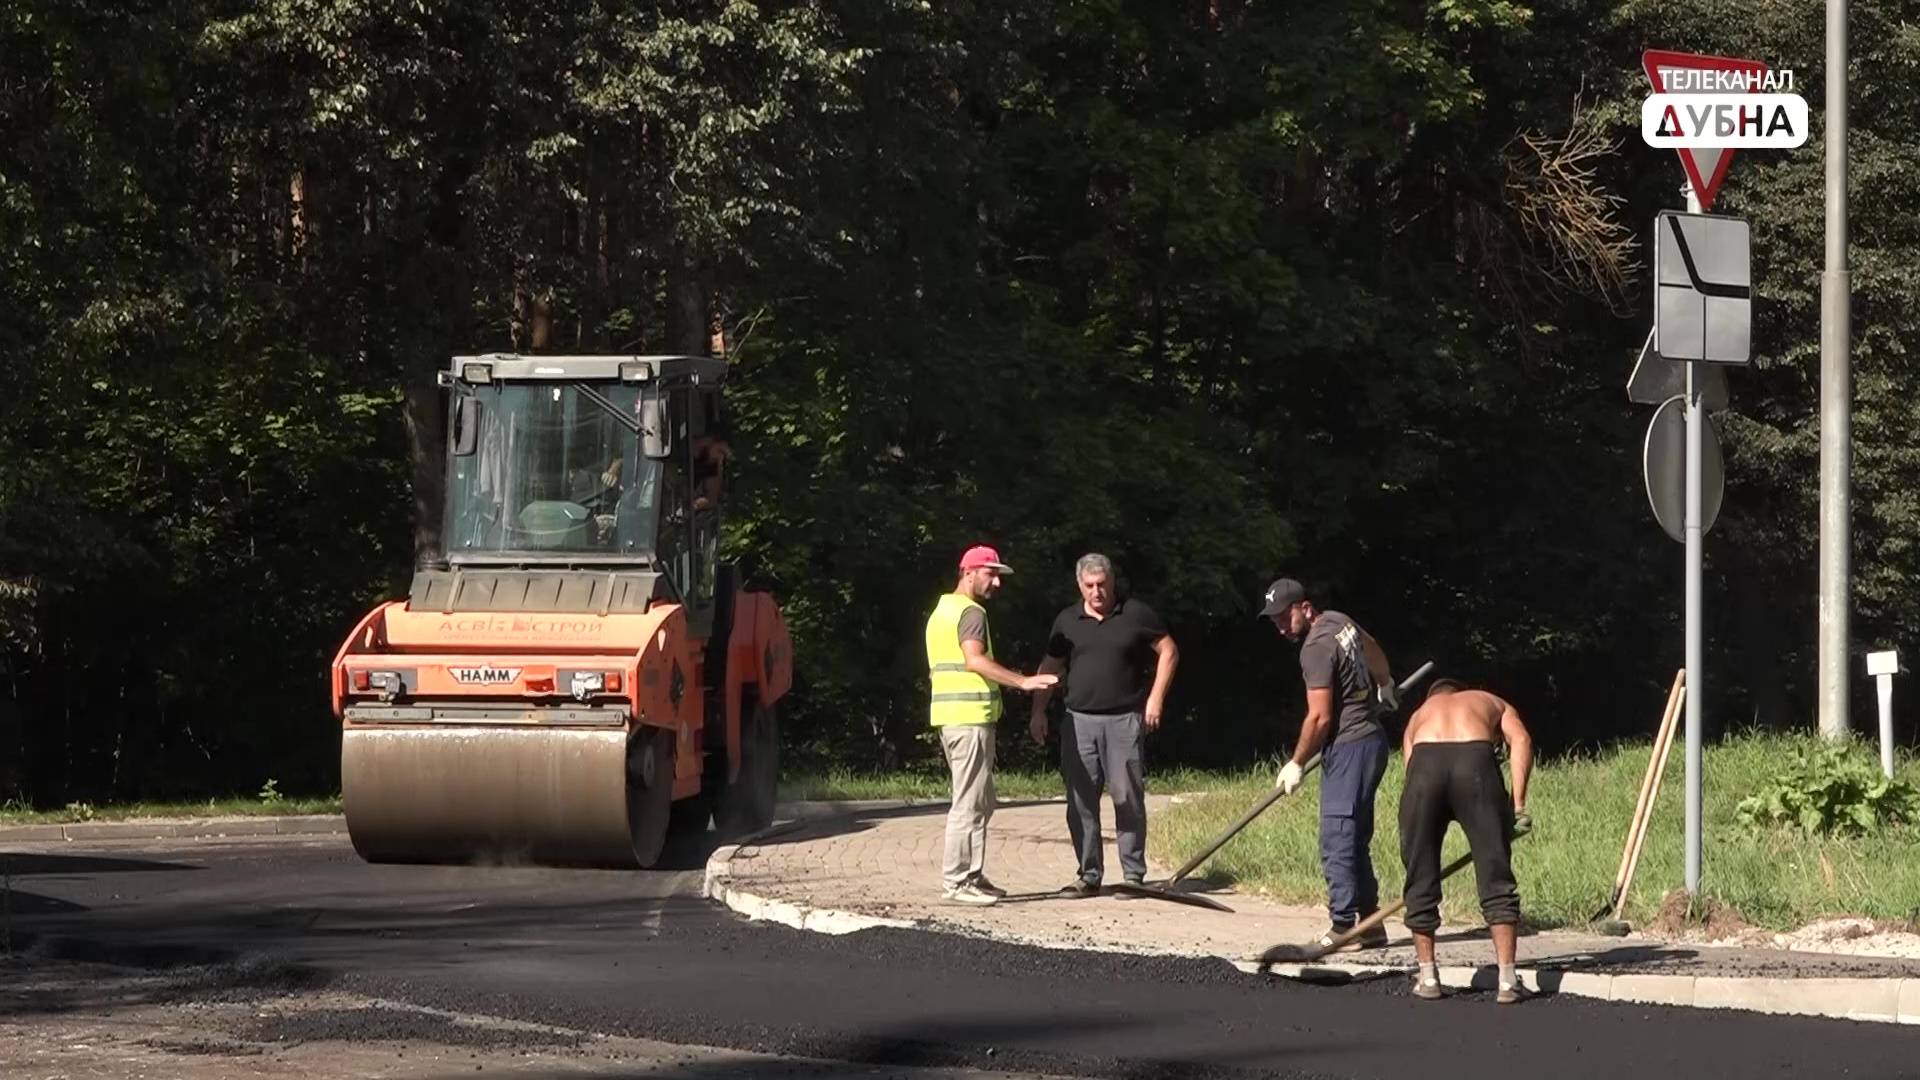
<point>982,557</point>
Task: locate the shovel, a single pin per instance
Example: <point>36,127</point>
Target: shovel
<point>1303,954</point>
<point>1166,889</point>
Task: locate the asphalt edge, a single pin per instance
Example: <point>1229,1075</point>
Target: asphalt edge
<point>1885,1001</point>
<point>191,828</point>
<point>175,829</point>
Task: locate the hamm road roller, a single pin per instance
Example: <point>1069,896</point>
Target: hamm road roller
<point>580,671</point>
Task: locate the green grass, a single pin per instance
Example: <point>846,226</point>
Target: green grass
<point>72,813</point>
<point>1581,808</point>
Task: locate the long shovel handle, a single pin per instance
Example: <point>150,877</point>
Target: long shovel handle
<point>1520,829</point>
<point>1649,788</point>
<point>1274,796</point>
<point>1646,819</point>
<point>1654,764</point>
<point>1246,819</point>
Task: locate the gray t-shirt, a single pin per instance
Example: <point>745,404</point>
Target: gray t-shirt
<point>1332,656</point>
<point>973,626</point>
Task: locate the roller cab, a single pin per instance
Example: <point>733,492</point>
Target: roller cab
<point>579,673</point>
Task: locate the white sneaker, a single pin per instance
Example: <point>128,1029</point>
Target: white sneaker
<point>967,893</point>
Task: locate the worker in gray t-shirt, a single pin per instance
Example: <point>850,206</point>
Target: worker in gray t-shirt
<point>1349,686</point>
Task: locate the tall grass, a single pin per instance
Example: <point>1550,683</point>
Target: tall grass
<point>1581,808</point>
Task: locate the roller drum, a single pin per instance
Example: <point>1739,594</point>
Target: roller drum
<point>543,795</point>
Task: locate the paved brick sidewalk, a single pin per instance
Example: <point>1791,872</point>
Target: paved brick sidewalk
<point>885,863</point>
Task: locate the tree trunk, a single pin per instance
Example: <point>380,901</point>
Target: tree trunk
<point>688,312</point>
<point>541,336</point>
<point>426,453</point>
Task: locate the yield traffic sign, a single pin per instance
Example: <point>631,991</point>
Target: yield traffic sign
<point>1672,73</point>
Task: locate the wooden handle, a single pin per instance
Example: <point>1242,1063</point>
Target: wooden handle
<point>1397,906</point>
<point>1273,796</point>
<point>1246,819</point>
<point>1661,753</point>
<point>1660,736</point>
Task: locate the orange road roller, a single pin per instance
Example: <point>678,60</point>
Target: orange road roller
<point>579,672</point>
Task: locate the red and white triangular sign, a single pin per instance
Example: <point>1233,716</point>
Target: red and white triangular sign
<point>1706,167</point>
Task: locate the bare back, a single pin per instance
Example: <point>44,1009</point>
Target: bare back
<point>1457,717</point>
<point>1474,716</point>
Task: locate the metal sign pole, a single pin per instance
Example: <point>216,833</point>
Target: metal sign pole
<point>1696,685</point>
<point>1836,399</point>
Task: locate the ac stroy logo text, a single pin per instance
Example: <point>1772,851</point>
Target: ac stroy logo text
<point>497,625</point>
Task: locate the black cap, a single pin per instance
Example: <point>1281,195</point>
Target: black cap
<point>1281,595</point>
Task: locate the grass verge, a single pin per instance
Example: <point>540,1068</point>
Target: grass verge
<point>75,813</point>
<point>1581,808</point>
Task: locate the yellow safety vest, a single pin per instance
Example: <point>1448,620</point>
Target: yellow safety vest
<point>959,696</point>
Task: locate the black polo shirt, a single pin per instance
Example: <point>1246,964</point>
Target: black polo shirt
<point>1110,661</point>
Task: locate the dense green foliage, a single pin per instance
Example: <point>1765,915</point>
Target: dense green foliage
<point>1830,789</point>
<point>1347,289</point>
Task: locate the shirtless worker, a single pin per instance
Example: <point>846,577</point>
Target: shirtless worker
<point>1453,774</point>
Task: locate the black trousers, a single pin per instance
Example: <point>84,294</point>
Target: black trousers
<point>1449,782</point>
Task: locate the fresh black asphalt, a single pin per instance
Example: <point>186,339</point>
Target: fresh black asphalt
<point>643,954</point>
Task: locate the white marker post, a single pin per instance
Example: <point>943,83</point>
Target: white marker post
<point>1883,666</point>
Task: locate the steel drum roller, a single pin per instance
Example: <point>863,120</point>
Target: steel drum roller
<point>537,794</point>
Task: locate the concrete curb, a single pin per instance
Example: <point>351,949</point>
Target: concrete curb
<point>1864,999</point>
<point>176,829</point>
<point>719,887</point>
<point>1873,1000</point>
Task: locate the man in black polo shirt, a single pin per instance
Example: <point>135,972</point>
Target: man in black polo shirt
<point>1119,660</point>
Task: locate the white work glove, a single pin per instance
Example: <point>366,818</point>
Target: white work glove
<point>1289,779</point>
<point>1389,695</point>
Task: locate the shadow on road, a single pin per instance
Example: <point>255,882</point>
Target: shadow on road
<point>950,1045</point>
<point>18,904</point>
<point>60,975</point>
<point>42,864</point>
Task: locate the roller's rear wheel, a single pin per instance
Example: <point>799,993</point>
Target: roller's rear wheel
<point>649,791</point>
<point>747,803</point>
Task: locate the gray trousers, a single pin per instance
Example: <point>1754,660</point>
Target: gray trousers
<point>1104,751</point>
<point>969,750</point>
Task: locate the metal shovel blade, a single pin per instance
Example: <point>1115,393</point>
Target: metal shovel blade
<point>1291,954</point>
<point>1165,892</point>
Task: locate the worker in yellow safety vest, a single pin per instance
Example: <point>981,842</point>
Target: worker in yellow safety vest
<point>965,704</point>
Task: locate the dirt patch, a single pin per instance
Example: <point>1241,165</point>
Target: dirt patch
<point>1683,916</point>
<point>1706,921</point>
